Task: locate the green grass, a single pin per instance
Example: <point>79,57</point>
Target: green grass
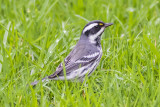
<point>36,35</point>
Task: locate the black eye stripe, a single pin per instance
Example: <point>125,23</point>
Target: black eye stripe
<point>93,30</point>
<point>97,26</point>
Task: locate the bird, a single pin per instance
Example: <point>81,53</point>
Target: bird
<point>84,57</point>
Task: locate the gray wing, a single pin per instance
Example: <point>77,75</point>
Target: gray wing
<point>80,56</point>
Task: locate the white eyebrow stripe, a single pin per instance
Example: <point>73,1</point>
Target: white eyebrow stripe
<point>90,27</point>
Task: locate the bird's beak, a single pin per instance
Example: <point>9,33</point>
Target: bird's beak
<point>108,24</point>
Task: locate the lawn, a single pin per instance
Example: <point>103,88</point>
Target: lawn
<point>36,35</point>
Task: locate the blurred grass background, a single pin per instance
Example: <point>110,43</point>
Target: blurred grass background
<point>36,35</point>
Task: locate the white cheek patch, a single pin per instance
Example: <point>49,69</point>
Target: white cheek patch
<point>90,27</point>
<point>93,37</point>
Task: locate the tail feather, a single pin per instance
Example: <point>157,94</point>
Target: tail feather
<point>36,82</point>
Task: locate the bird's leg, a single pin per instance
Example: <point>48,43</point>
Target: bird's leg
<point>83,91</point>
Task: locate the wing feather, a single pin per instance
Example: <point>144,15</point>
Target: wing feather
<point>80,56</point>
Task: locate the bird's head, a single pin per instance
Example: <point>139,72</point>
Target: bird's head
<point>94,30</point>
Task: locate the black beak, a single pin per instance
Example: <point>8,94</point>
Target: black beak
<point>108,24</point>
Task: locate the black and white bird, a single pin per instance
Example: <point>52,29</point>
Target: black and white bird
<point>85,56</point>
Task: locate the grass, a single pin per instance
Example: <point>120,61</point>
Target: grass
<point>36,35</point>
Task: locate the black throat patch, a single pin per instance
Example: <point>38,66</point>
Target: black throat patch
<point>98,41</point>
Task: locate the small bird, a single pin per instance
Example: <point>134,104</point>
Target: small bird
<point>84,57</point>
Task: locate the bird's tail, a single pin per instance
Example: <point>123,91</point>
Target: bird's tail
<point>36,82</point>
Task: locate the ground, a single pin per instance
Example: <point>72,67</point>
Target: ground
<point>36,35</point>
